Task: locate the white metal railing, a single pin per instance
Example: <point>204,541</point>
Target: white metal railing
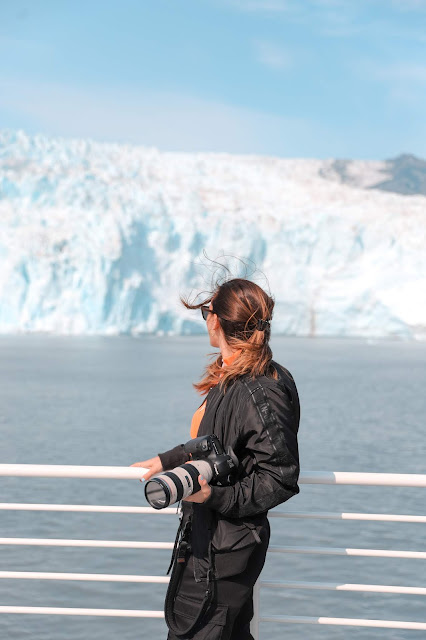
<point>307,477</point>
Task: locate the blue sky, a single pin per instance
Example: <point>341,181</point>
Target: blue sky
<point>292,78</point>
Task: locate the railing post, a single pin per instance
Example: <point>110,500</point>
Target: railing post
<point>254,625</point>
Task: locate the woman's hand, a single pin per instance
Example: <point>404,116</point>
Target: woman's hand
<point>203,495</point>
<point>153,464</point>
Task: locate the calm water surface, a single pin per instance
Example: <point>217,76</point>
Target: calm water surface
<point>115,401</point>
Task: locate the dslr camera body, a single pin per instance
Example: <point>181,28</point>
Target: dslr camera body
<point>208,459</point>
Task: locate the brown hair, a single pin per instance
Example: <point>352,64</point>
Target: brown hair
<point>241,306</point>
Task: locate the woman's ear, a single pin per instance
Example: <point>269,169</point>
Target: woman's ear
<point>216,323</point>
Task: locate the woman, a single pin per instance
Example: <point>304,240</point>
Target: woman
<point>252,405</point>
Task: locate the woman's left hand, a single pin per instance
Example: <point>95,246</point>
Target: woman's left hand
<point>200,496</point>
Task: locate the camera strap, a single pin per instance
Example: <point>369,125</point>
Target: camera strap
<point>179,562</point>
<point>175,546</point>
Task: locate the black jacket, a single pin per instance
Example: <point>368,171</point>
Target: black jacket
<point>266,448</point>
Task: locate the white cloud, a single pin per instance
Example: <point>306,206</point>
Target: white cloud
<point>396,74</point>
<point>168,121</point>
<point>403,82</point>
<point>272,55</point>
<point>340,18</point>
<point>262,5</point>
<point>17,46</point>
<point>176,122</point>
<point>307,6</point>
<point>406,72</point>
<point>406,84</point>
<point>409,5</point>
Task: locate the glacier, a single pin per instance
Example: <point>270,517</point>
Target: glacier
<point>100,238</point>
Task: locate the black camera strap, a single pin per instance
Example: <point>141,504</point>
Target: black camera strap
<point>179,559</point>
<point>175,546</point>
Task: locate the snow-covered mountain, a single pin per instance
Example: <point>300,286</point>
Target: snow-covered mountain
<point>102,238</point>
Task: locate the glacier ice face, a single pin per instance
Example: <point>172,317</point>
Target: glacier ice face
<point>102,238</point>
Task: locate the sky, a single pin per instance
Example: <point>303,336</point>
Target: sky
<point>288,78</point>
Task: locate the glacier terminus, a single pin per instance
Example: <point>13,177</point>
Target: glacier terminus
<point>101,238</point>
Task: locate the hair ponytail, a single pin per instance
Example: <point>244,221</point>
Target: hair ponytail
<point>245,312</point>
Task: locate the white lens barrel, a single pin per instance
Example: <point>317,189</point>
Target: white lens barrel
<point>172,486</point>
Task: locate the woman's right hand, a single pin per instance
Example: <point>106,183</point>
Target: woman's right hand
<point>153,464</point>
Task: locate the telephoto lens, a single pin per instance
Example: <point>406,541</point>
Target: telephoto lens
<point>208,459</point>
<point>172,486</point>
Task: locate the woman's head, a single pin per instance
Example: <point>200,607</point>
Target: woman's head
<point>241,306</point>
<point>240,316</point>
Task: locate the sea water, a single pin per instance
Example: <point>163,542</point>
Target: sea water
<point>120,400</point>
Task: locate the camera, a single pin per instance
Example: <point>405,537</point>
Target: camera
<point>208,459</point>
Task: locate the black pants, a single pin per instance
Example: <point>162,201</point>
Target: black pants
<point>232,609</point>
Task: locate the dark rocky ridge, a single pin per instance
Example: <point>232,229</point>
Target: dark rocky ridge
<point>405,174</point>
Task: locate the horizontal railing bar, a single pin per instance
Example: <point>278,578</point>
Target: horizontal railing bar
<point>55,542</point>
<point>29,506</point>
<point>90,577</point>
<point>96,508</point>
<point>357,478</point>
<point>106,577</point>
<point>385,517</point>
<point>354,622</point>
<point>334,586</point>
<point>270,584</point>
<point>134,613</point>
<point>306,477</point>
<point>68,611</point>
<point>340,551</point>
<point>71,471</point>
<point>131,544</point>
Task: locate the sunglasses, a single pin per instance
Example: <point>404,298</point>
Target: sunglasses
<point>205,311</point>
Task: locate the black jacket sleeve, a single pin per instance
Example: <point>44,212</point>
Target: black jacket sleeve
<point>173,457</point>
<point>272,442</point>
